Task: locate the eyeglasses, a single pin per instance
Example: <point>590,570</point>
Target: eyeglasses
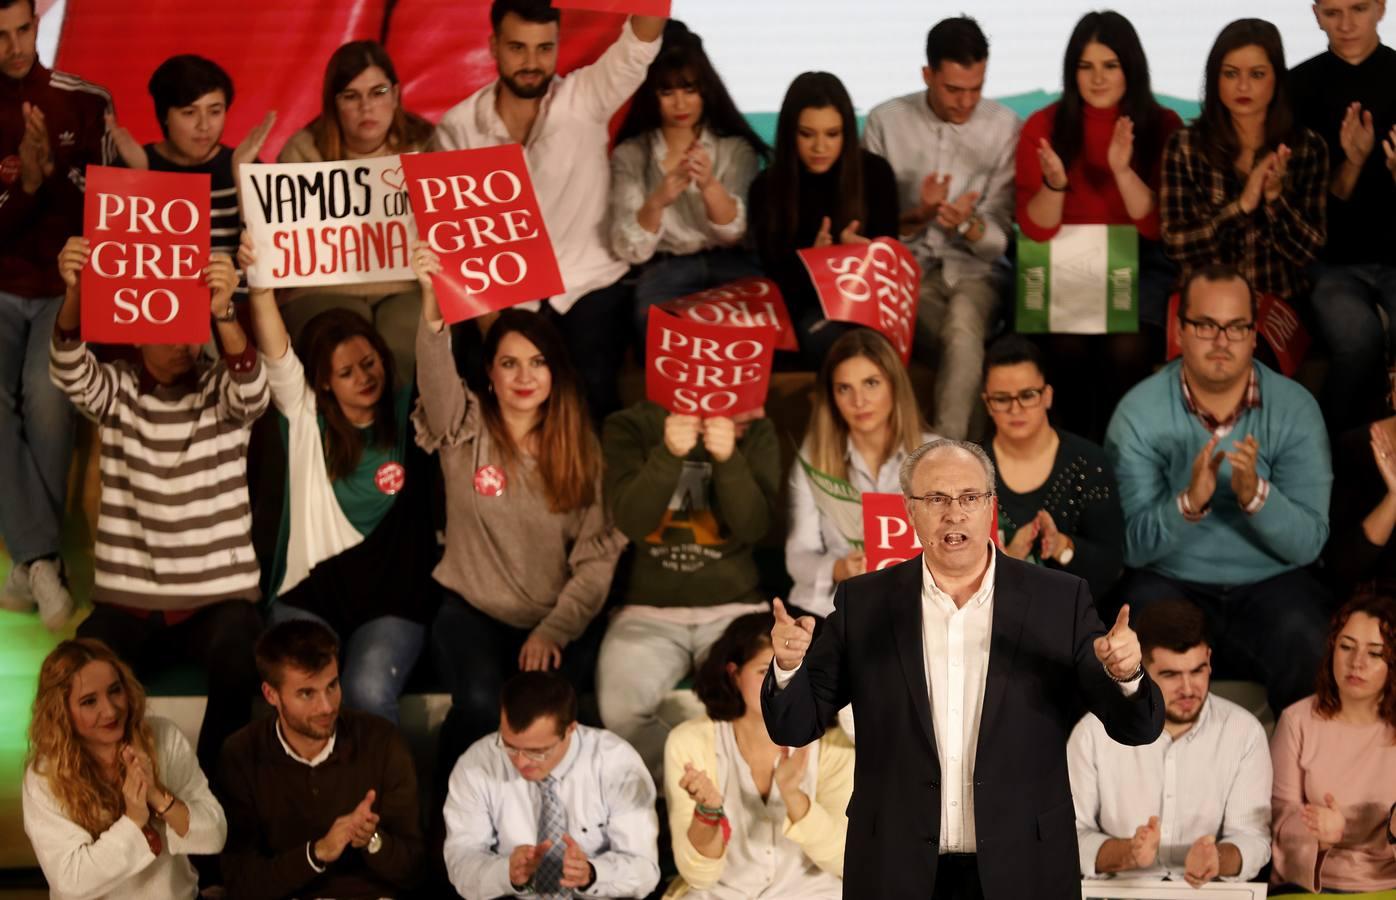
<point>1030,398</point>
<point>377,94</point>
<point>941,502</point>
<point>531,755</point>
<point>1208,330</point>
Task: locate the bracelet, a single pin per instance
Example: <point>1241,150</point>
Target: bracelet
<point>168,806</point>
<point>708,810</point>
<point>1051,187</point>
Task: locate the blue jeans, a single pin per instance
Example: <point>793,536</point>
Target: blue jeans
<point>671,277</point>
<point>378,658</point>
<point>1272,631</point>
<point>36,431</point>
<point>1345,301</point>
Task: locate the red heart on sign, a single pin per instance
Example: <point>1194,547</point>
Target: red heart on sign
<point>389,176</point>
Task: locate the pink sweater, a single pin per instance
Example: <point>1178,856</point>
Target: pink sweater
<point>1357,765</point>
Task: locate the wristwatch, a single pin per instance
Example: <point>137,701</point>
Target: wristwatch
<point>967,226</point>
<point>375,843</point>
<point>229,315</point>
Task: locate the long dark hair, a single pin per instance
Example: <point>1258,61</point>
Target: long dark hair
<point>344,441</point>
<point>812,90</point>
<point>1114,31</point>
<point>569,456</point>
<point>407,131</point>
<point>1377,602</point>
<point>682,63</point>
<point>1220,142</point>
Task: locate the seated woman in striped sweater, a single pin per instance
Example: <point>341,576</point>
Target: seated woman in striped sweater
<point>354,548</point>
<point>176,575</point>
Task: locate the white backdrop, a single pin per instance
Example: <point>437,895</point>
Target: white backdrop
<point>878,46</point>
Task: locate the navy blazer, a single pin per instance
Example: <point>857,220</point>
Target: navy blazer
<point>1042,665</point>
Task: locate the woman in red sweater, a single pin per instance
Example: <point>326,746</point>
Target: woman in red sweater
<point>1094,158</point>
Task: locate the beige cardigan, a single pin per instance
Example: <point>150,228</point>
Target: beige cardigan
<point>820,834</point>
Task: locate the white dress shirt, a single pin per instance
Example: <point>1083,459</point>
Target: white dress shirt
<point>978,156</point>
<point>568,156</point>
<point>955,641</point>
<point>955,644</point>
<point>637,169</point>
<point>815,542</point>
<point>1214,779</point>
<point>608,797</point>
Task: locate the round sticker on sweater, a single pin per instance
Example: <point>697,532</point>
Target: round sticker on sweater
<point>390,478</point>
<point>490,481</point>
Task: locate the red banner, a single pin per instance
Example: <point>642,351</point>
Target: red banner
<point>888,537</point>
<point>745,303</point>
<point>150,244</point>
<point>478,211</point>
<point>876,284</point>
<point>1278,324</point>
<point>627,7</point>
<point>706,370</point>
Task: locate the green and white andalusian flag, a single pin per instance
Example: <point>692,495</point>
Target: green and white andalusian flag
<point>1083,281</point>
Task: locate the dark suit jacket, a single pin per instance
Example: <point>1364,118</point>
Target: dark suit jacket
<point>870,653</point>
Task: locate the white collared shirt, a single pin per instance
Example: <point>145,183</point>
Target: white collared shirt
<point>568,156</point>
<point>319,757</point>
<point>955,641</point>
<point>978,156</point>
<point>608,797</point>
<point>637,169</point>
<point>815,543</point>
<point>1213,779</point>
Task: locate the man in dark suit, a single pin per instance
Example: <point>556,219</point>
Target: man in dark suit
<point>964,668</point>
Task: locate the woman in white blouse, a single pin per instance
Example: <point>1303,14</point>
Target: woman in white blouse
<point>865,421</point>
<point>114,802</point>
<point>684,159</point>
<point>750,819</point>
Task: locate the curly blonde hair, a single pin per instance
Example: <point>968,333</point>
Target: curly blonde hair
<point>57,753</point>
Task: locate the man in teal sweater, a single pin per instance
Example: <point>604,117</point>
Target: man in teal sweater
<point>693,495</point>
<point>1224,476</point>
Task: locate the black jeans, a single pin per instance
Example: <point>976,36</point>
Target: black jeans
<point>475,654</point>
<point>597,333</point>
<point>1271,631</point>
<point>218,638</point>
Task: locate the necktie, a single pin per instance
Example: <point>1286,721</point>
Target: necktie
<point>552,824</point>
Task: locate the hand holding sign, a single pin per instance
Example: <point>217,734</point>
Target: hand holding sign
<point>221,276</point>
<point>1118,649</point>
<point>720,438</point>
<point>71,259</point>
<point>877,284</point>
<point>146,282</point>
<point>706,370</point>
<point>478,212</point>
